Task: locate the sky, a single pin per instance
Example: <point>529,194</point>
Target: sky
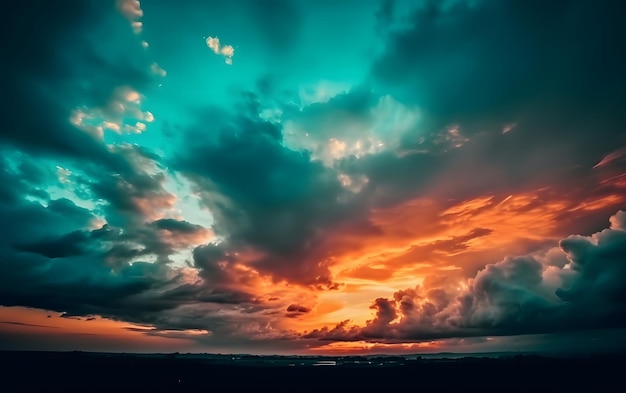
<point>313,177</point>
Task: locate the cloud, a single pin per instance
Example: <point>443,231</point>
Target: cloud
<point>128,197</point>
<point>266,198</point>
<point>120,269</point>
<point>131,10</point>
<point>353,123</point>
<point>122,114</point>
<point>29,325</point>
<point>66,66</point>
<point>21,179</point>
<point>576,286</point>
<point>611,158</point>
<point>67,245</point>
<point>296,310</point>
<point>103,271</point>
<point>511,70</point>
<point>225,50</point>
<point>464,146</point>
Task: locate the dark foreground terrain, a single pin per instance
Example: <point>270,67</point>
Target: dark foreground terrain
<point>88,372</point>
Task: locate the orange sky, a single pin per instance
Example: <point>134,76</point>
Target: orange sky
<point>408,252</point>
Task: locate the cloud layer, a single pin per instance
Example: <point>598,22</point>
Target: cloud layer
<point>436,172</point>
<point>575,286</point>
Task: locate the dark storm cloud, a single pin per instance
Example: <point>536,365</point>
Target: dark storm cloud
<point>89,273</point>
<point>149,239</point>
<point>490,163</point>
<point>494,60</point>
<point>52,259</point>
<point>265,196</point>
<point>449,168</point>
<point>537,96</point>
<point>131,196</point>
<point>277,210</point>
<point>29,232</point>
<point>67,245</point>
<point>577,286</point>
<point>19,179</point>
<point>57,60</point>
<point>172,225</point>
<point>218,268</point>
<point>127,197</point>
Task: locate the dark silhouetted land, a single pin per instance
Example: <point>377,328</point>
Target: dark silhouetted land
<point>88,372</point>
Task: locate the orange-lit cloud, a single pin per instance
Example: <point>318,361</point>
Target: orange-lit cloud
<point>538,292</point>
<point>122,115</point>
<point>227,51</point>
<point>396,206</point>
<point>611,158</point>
<point>131,10</point>
<point>422,242</point>
<point>39,329</point>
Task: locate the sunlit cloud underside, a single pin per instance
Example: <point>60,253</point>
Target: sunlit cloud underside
<point>229,177</point>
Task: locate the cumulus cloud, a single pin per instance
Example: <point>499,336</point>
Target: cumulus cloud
<point>122,114</point>
<point>266,197</point>
<point>46,83</point>
<point>611,158</point>
<point>463,145</point>
<point>353,123</point>
<point>573,287</point>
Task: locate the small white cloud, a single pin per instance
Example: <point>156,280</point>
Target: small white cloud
<point>214,44</point>
<point>227,51</point>
<point>122,114</point>
<point>131,10</point>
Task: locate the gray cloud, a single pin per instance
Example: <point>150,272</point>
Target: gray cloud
<point>296,310</point>
<point>499,57</point>
<point>574,287</point>
<point>54,64</point>
<point>266,197</point>
<point>52,259</point>
<point>524,68</point>
<point>536,109</point>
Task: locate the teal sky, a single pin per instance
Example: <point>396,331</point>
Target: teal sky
<point>291,176</point>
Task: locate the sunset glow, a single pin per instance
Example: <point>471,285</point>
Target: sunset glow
<point>301,177</point>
